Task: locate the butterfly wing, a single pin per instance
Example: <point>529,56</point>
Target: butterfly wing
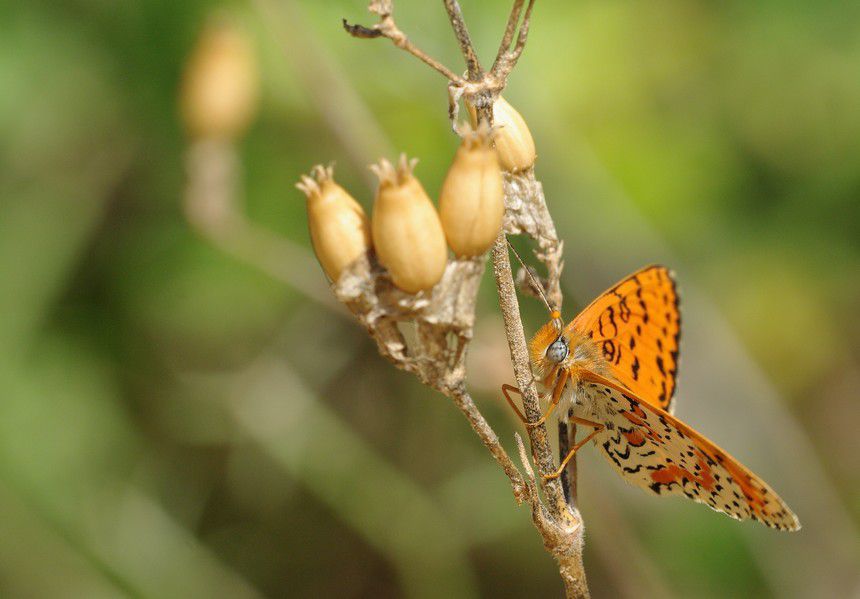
<point>655,451</point>
<point>637,327</point>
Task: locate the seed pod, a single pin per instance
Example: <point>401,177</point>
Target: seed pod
<point>407,234</point>
<point>472,201</point>
<point>513,139</point>
<point>220,84</point>
<point>340,231</point>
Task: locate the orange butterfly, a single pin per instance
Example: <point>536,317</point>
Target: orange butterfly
<point>614,369</point>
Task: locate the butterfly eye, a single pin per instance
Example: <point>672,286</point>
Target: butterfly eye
<point>557,351</point>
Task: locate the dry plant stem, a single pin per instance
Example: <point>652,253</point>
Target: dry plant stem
<point>455,15</point>
<point>432,356</point>
<point>541,450</point>
<point>510,28</point>
<point>482,87</point>
<point>526,213</point>
<point>386,27</point>
<point>526,210</point>
<point>564,542</point>
<point>211,203</point>
<point>490,439</point>
<point>567,474</point>
<point>507,58</point>
<point>440,323</point>
<point>562,529</point>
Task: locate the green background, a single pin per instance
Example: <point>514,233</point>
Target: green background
<point>181,418</point>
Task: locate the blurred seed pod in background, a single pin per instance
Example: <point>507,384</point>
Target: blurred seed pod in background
<point>220,85</point>
<point>472,200</point>
<point>407,233</point>
<point>339,227</point>
<point>513,140</point>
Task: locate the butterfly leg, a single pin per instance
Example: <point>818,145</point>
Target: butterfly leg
<point>597,428</point>
<point>556,397</point>
<point>506,388</point>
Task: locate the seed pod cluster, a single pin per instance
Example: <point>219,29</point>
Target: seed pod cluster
<point>220,84</point>
<point>339,228</point>
<point>471,203</point>
<point>513,140</point>
<point>407,233</point>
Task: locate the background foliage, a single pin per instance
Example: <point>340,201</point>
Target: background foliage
<point>176,423</point>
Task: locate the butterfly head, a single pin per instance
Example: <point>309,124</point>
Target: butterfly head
<point>550,345</point>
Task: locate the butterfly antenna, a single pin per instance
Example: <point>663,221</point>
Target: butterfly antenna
<point>554,312</point>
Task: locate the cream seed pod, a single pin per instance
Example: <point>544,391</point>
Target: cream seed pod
<point>472,200</point>
<point>407,234</point>
<point>220,85</point>
<point>340,231</point>
<point>513,139</point>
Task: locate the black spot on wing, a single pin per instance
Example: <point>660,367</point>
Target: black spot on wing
<point>656,487</point>
<point>606,448</point>
<point>624,310</point>
<point>609,350</point>
<point>625,455</point>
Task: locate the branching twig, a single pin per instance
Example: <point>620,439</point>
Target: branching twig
<point>386,27</point>
<point>443,321</point>
<point>488,436</point>
<point>507,58</point>
<point>539,512</point>
<point>432,356</point>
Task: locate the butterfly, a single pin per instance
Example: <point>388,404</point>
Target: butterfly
<point>614,369</point>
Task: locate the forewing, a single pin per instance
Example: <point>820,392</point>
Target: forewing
<point>660,454</point>
<point>637,327</point>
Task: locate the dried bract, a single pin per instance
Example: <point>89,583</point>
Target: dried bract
<point>472,202</point>
<point>407,234</point>
<point>339,228</point>
<point>220,84</point>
